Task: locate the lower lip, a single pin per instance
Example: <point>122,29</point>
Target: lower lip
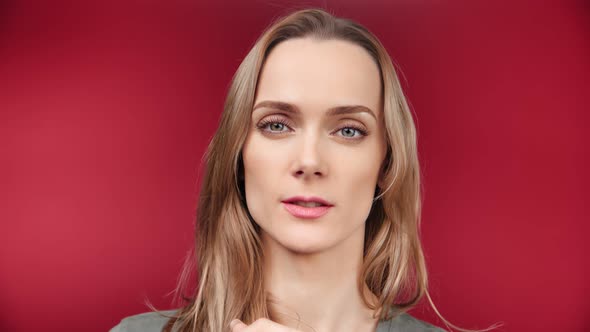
<point>306,212</point>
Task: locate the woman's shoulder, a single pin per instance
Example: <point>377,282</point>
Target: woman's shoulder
<point>406,323</point>
<point>155,321</point>
<point>145,322</point>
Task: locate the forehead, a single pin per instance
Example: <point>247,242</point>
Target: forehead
<point>318,74</point>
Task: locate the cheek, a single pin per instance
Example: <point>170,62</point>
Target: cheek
<point>357,178</point>
<point>260,160</point>
<point>261,169</point>
<point>358,167</point>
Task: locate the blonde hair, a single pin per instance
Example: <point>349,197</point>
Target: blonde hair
<point>228,246</point>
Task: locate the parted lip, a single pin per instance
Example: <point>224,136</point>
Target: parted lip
<point>307,199</point>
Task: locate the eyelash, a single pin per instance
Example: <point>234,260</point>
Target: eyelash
<point>264,123</point>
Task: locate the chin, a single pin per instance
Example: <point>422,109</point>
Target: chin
<point>304,242</point>
<point>303,248</point>
<point>301,236</point>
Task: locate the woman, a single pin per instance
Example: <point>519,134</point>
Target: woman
<point>309,211</point>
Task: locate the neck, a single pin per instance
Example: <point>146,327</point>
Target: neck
<point>319,288</point>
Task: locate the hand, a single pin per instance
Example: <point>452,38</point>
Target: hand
<point>260,325</point>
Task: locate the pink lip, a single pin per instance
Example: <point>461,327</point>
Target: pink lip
<point>307,199</point>
<point>306,212</point>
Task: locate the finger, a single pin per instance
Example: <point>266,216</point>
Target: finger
<point>237,325</point>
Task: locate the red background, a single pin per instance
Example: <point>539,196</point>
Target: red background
<point>107,107</point>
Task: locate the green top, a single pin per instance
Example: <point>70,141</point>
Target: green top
<point>153,322</point>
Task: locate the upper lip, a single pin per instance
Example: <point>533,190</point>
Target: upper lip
<point>307,199</point>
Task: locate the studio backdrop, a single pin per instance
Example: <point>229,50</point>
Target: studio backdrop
<point>106,108</point>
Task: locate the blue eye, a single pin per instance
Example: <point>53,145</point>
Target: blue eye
<point>276,126</point>
<point>352,132</point>
<point>273,125</point>
<point>280,126</point>
<point>348,132</point>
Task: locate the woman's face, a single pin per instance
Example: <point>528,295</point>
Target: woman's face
<point>316,134</point>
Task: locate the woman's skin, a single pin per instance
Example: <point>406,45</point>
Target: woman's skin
<point>311,265</point>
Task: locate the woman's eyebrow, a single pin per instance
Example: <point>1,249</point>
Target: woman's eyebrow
<point>337,110</point>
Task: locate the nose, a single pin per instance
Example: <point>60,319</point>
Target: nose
<point>309,158</point>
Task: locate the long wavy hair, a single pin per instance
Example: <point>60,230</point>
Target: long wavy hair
<point>228,248</point>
